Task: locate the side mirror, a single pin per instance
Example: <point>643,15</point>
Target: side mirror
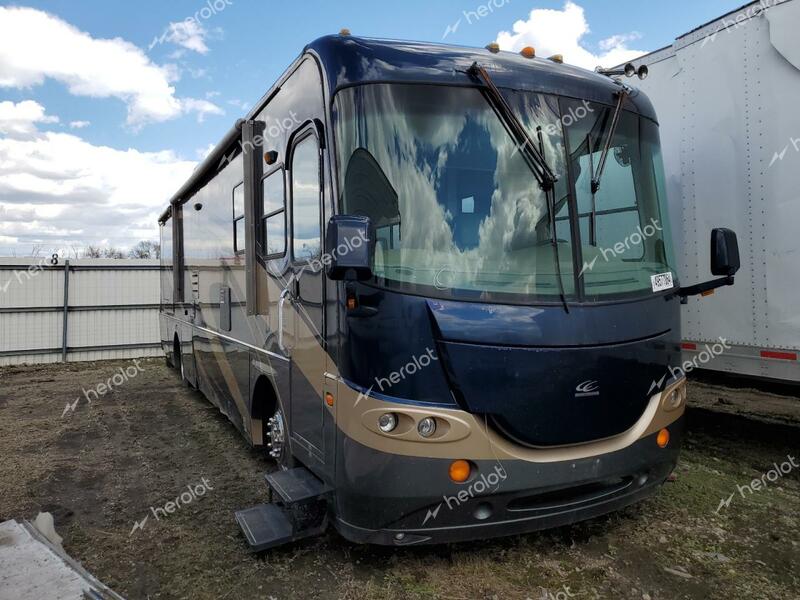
<point>724,253</point>
<point>724,264</point>
<point>349,248</point>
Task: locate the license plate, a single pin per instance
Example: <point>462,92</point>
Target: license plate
<point>662,281</point>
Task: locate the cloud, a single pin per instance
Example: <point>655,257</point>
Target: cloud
<point>98,68</point>
<point>189,34</point>
<point>204,152</point>
<point>58,190</point>
<point>18,120</point>
<point>79,124</point>
<point>240,104</point>
<point>619,40</point>
<point>560,32</point>
<point>202,108</point>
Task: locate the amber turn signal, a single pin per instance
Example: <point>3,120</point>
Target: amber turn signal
<point>459,471</point>
<point>663,438</point>
<point>328,398</point>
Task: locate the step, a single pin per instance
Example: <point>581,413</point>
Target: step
<point>296,485</point>
<point>268,525</point>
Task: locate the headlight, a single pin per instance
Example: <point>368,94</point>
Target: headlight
<point>387,422</point>
<point>674,398</point>
<point>427,427</point>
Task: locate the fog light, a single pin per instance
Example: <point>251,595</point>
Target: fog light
<point>427,427</point>
<point>459,471</point>
<point>663,438</point>
<point>483,512</point>
<point>387,422</point>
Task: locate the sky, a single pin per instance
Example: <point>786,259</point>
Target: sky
<point>107,107</point>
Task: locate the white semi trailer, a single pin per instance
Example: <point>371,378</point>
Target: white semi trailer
<point>727,95</point>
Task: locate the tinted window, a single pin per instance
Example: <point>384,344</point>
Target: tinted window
<point>274,211</point>
<point>306,237</point>
<point>238,218</point>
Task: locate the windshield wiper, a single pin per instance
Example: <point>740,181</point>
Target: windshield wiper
<point>534,156</point>
<point>544,174</point>
<point>593,216</point>
<point>623,93</point>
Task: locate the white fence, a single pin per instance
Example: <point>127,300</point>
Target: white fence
<point>78,310</point>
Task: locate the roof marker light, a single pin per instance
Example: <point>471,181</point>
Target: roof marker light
<point>528,52</point>
<point>557,58</point>
<point>494,47</point>
<point>344,31</point>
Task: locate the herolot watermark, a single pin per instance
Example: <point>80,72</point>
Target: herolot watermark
<point>192,23</point>
<point>762,483</point>
<point>481,11</point>
<point>274,129</point>
<point>347,246</point>
<point>573,116</point>
<point>634,239</point>
<point>101,389</point>
<point>25,275</point>
<point>779,156</point>
<point>477,487</point>
<point>415,365</point>
<point>729,25</point>
<point>193,493</point>
<point>562,594</point>
<point>704,356</point>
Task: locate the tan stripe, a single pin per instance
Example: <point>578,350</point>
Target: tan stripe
<point>467,436</point>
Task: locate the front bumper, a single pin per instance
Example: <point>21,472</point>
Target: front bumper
<point>396,500</point>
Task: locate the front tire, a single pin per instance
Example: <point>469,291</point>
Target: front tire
<point>278,441</point>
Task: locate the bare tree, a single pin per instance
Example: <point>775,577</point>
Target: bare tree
<point>112,252</point>
<point>145,249</point>
<point>93,252</point>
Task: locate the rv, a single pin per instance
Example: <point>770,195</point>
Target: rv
<point>726,97</point>
<point>437,285</point>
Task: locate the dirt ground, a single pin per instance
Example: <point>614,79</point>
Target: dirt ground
<point>99,467</point>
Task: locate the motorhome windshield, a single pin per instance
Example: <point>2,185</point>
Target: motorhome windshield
<point>459,214</point>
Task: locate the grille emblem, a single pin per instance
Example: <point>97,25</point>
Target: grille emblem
<point>587,389</point>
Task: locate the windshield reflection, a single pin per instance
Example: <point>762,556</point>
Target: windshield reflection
<point>457,210</point>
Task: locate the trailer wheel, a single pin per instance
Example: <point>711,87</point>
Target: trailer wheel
<point>180,364</point>
<point>177,359</point>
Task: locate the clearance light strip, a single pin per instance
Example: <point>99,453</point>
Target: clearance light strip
<point>778,355</point>
<point>773,354</point>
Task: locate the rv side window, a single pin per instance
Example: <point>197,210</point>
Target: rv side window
<point>167,281</point>
<point>306,231</point>
<point>274,211</point>
<point>238,218</point>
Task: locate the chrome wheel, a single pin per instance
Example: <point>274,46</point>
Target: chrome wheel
<point>276,432</point>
